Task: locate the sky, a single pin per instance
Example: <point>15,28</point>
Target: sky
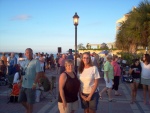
<point>45,25</point>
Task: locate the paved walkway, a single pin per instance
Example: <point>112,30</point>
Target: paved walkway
<point>49,103</point>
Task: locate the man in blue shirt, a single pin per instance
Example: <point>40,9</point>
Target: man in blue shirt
<point>70,56</point>
<point>29,80</point>
<point>12,63</point>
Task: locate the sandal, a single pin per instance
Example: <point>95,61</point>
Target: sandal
<point>112,100</point>
<point>100,96</point>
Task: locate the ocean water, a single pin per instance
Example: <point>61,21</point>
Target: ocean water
<point>16,55</point>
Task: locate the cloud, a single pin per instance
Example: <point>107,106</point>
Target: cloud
<point>21,17</point>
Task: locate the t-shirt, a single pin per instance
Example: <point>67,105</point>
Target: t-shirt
<point>108,68</point>
<point>31,68</point>
<point>21,62</point>
<point>70,57</point>
<point>136,71</point>
<point>145,71</point>
<point>87,78</point>
<point>8,60</point>
<point>13,61</point>
<point>16,78</point>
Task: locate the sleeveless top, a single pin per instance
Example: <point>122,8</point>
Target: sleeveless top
<point>71,89</point>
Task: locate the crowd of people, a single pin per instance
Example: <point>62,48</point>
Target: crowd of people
<point>84,84</point>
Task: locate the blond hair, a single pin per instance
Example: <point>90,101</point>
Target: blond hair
<point>68,61</point>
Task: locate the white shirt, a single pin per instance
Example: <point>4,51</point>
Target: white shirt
<point>8,60</point>
<point>92,58</point>
<point>21,62</point>
<point>87,79</point>
<point>16,78</point>
<point>145,71</point>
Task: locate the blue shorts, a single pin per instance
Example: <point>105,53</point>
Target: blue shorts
<point>27,95</point>
<point>92,104</point>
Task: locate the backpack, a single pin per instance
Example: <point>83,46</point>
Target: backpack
<point>45,83</point>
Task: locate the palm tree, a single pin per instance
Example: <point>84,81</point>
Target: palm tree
<point>135,31</point>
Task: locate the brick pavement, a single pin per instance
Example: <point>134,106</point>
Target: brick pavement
<point>121,105</point>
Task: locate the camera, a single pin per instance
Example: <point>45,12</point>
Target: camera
<point>22,71</point>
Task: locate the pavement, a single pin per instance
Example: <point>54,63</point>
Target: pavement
<point>48,104</point>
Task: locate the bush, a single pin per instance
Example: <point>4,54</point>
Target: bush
<point>129,57</point>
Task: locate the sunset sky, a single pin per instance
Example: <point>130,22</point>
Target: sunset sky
<point>45,25</point>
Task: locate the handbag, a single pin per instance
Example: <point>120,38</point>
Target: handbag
<point>128,79</point>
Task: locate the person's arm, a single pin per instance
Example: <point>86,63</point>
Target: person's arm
<point>36,80</point>
<point>38,73</point>
<point>96,81</point>
<point>20,82</point>
<point>130,71</point>
<point>62,81</point>
<point>82,96</point>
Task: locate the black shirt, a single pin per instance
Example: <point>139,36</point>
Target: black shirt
<point>71,89</point>
<point>136,73</point>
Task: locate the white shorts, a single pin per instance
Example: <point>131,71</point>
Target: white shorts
<point>110,84</point>
<point>70,107</point>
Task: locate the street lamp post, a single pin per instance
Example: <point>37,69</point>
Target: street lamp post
<point>146,50</point>
<point>76,20</point>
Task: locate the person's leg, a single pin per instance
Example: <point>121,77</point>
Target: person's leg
<point>109,94</point>
<point>30,99</point>
<point>92,111</point>
<point>25,105</point>
<point>102,91</point>
<point>116,82</point>
<point>114,85</point>
<point>22,98</point>
<point>86,110</point>
<point>144,93</point>
<point>72,111</point>
<point>132,92</point>
<point>30,108</point>
<point>136,88</point>
<point>93,103</point>
<point>149,93</point>
<point>84,104</point>
<point>74,106</point>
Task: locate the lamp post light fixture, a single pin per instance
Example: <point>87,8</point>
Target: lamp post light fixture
<point>76,20</point>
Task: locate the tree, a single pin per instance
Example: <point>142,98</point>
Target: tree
<point>87,46</point>
<point>104,46</point>
<point>135,31</point>
<point>80,46</point>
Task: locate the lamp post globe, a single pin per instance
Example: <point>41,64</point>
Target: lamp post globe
<point>75,21</point>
